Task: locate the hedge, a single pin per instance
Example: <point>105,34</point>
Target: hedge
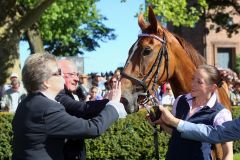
<point>5,136</point>
<point>130,138</point>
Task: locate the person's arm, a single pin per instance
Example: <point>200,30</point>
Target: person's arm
<point>228,131</point>
<point>60,124</point>
<point>80,108</point>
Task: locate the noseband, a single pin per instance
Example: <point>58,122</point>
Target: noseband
<point>162,53</point>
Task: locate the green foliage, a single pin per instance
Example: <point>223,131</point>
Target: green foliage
<point>68,27</point>
<point>236,114</point>
<point>236,157</point>
<point>180,13</point>
<point>5,136</point>
<point>237,69</point>
<point>187,13</point>
<point>130,138</point>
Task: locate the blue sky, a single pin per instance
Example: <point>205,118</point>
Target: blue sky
<point>111,54</point>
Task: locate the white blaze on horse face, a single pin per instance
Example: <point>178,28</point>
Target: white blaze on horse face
<point>133,50</point>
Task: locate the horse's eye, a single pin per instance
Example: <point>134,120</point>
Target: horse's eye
<point>147,51</point>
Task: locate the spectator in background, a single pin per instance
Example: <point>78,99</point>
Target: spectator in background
<point>235,94</point>
<point>93,94</point>
<point>160,91</point>
<point>109,85</point>
<point>12,96</point>
<point>100,84</point>
<point>117,74</point>
<point>84,87</point>
<point>168,97</point>
<point>5,87</point>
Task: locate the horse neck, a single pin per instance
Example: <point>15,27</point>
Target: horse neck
<point>183,72</point>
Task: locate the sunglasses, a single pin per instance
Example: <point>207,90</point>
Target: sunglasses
<point>58,73</point>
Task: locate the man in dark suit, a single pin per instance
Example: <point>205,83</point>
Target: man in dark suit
<point>74,105</point>
<point>40,124</point>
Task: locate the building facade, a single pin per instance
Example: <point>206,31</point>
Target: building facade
<point>218,49</point>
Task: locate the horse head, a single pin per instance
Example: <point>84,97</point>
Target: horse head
<point>148,64</point>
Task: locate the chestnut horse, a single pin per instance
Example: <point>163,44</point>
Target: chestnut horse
<point>157,57</point>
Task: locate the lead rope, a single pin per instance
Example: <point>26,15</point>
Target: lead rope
<point>155,102</point>
<point>155,141</point>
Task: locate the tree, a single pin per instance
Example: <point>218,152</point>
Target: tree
<point>180,13</point>
<point>221,13</point>
<point>13,22</point>
<point>66,27</point>
<point>187,13</point>
<point>70,27</point>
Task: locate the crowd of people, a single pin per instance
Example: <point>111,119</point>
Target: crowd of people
<point>12,94</point>
<point>96,86</point>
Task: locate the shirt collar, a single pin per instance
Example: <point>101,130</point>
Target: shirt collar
<point>48,95</point>
<point>211,102</point>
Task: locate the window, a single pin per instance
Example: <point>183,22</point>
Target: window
<point>225,57</point>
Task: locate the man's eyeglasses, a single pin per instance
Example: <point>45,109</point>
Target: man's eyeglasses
<point>58,73</point>
<point>72,74</point>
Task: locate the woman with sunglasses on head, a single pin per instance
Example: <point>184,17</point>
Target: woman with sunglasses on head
<point>199,106</point>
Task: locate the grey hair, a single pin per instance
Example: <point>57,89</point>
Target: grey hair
<point>36,71</point>
<point>214,76</point>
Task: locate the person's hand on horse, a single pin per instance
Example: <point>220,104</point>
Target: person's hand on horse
<point>115,92</point>
<point>167,118</point>
<point>161,121</point>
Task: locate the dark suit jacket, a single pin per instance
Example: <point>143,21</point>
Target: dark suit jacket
<point>75,149</point>
<point>40,126</point>
<point>80,108</point>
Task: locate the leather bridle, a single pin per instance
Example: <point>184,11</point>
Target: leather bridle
<point>163,52</point>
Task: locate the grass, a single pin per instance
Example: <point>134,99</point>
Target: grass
<point>236,156</point>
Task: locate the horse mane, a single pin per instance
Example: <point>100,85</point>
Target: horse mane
<point>194,55</point>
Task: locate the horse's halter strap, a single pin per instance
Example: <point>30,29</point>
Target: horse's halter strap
<point>153,36</point>
<point>162,52</point>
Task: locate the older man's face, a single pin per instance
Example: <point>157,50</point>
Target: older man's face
<point>70,76</point>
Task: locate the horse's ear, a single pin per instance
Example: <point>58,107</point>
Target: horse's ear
<point>141,22</point>
<point>152,19</point>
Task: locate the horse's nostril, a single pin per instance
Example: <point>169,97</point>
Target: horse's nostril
<point>138,88</point>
